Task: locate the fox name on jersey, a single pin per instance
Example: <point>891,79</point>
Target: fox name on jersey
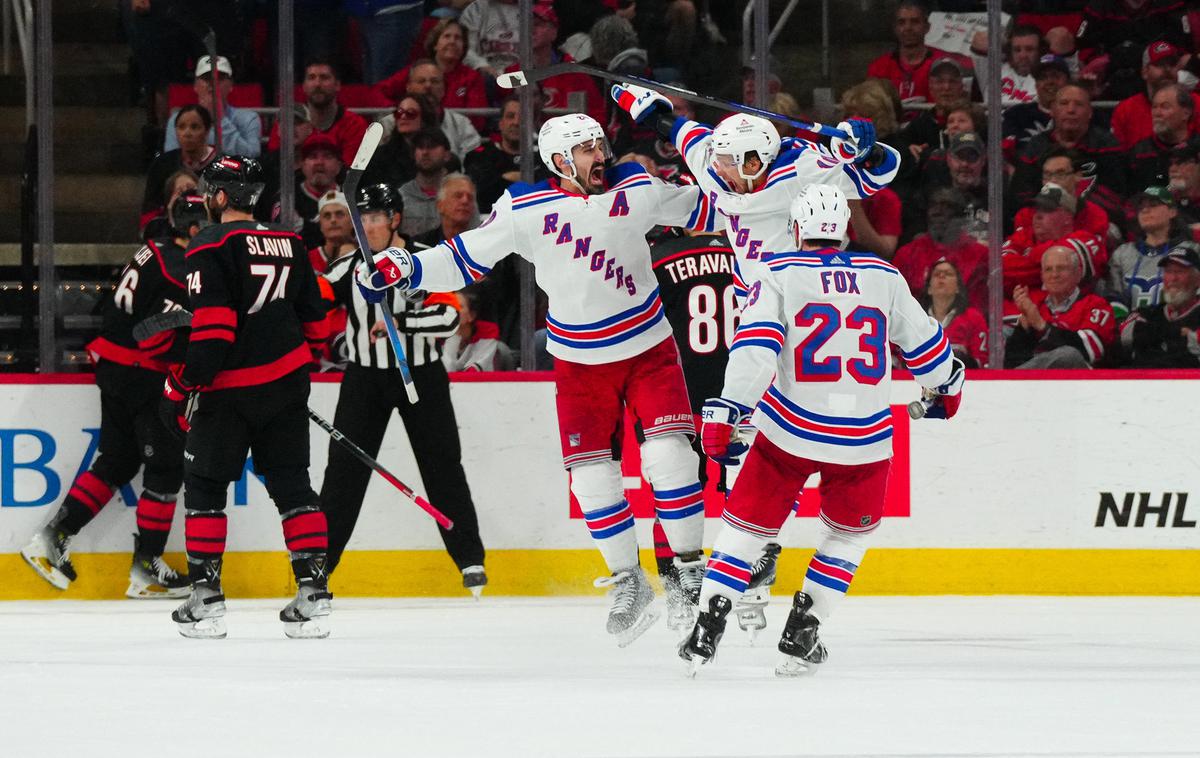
<point>757,222</point>
<point>576,242</point>
<point>815,338</point>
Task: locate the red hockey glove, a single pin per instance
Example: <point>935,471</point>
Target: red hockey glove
<point>718,435</point>
<point>174,409</point>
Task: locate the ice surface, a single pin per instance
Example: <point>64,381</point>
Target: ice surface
<point>940,676</point>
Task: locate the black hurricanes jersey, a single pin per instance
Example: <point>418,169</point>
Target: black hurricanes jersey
<point>150,283</point>
<point>258,310</point>
<point>695,279</point>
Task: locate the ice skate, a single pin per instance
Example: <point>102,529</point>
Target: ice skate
<point>49,554</point>
<point>751,606</point>
<point>801,647</point>
<point>701,645</point>
<point>683,590</point>
<point>631,612</point>
<point>202,615</point>
<point>307,616</point>
<point>150,576</point>
<point>679,611</point>
<point>474,579</point>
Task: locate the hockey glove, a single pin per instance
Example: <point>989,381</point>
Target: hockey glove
<point>858,147</point>
<point>947,397</point>
<point>174,409</point>
<point>393,267</point>
<point>641,103</point>
<point>718,434</point>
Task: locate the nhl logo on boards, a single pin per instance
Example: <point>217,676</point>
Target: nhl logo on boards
<point>573,440</point>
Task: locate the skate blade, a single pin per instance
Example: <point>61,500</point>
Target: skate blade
<point>681,621</point>
<point>204,629</point>
<point>476,592</point>
<point>46,570</point>
<point>752,621</point>
<point>316,628</point>
<point>790,667</point>
<point>644,622</point>
<point>153,591</point>
<point>693,666</point>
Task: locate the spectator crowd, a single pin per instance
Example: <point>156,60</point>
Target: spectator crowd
<point>1100,145</point>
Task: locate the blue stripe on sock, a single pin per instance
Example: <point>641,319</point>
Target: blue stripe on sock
<point>827,581</point>
<point>730,559</point>
<point>851,567</point>
<point>680,513</point>
<point>689,489</point>
<point>601,513</point>
<point>613,530</point>
<point>728,581</point>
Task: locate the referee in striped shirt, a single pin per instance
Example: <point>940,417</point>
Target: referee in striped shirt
<point>372,387</point>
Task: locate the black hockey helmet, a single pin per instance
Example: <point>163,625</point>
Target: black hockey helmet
<point>379,197</point>
<point>188,209</point>
<point>243,180</point>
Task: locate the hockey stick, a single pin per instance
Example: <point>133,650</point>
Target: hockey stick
<point>525,78</point>
<point>366,149</point>
<point>160,322</point>
<point>375,466</point>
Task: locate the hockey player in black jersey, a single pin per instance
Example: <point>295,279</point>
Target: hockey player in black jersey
<point>258,319</point>
<point>695,274</point>
<point>372,388</point>
<point>129,375</point>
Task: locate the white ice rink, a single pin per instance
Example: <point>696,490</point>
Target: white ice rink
<point>996,676</point>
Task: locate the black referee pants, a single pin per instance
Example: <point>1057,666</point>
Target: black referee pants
<point>364,407</point>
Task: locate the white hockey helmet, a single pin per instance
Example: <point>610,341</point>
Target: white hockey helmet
<point>561,134</point>
<point>740,134</point>
<point>820,213</point>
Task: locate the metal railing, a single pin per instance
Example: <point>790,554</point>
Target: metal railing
<point>18,18</point>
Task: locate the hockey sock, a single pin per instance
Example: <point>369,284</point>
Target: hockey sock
<point>664,556</point>
<point>306,534</point>
<point>601,496</point>
<point>88,494</point>
<point>155,511</point>
<point>204,535</point>
<point>670,464</point>
<point>729,566</point>
<point>831,570</point>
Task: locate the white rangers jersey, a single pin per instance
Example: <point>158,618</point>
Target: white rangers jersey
<point>815,336</point>
<point>590,255</point>
<point>757,222</point>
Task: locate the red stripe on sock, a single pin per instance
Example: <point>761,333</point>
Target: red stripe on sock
<point>92,491</point>
<point>306,531</point>
<point>662,546</point>
<point>205,535</point>
<point>154,515</point>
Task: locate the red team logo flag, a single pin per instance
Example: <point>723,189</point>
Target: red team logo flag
<point>641,496</point>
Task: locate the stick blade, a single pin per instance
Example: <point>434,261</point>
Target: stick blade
<point>366,149</point>
<point>512,80</point>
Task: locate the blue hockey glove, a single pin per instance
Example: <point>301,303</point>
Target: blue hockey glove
<point>640,102</point>
<point>858,147</point>
<point>947,397</point>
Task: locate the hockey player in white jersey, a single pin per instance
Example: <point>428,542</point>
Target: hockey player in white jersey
<point>752,177</point>
<point>584,231</point>
<point>814,358</point>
